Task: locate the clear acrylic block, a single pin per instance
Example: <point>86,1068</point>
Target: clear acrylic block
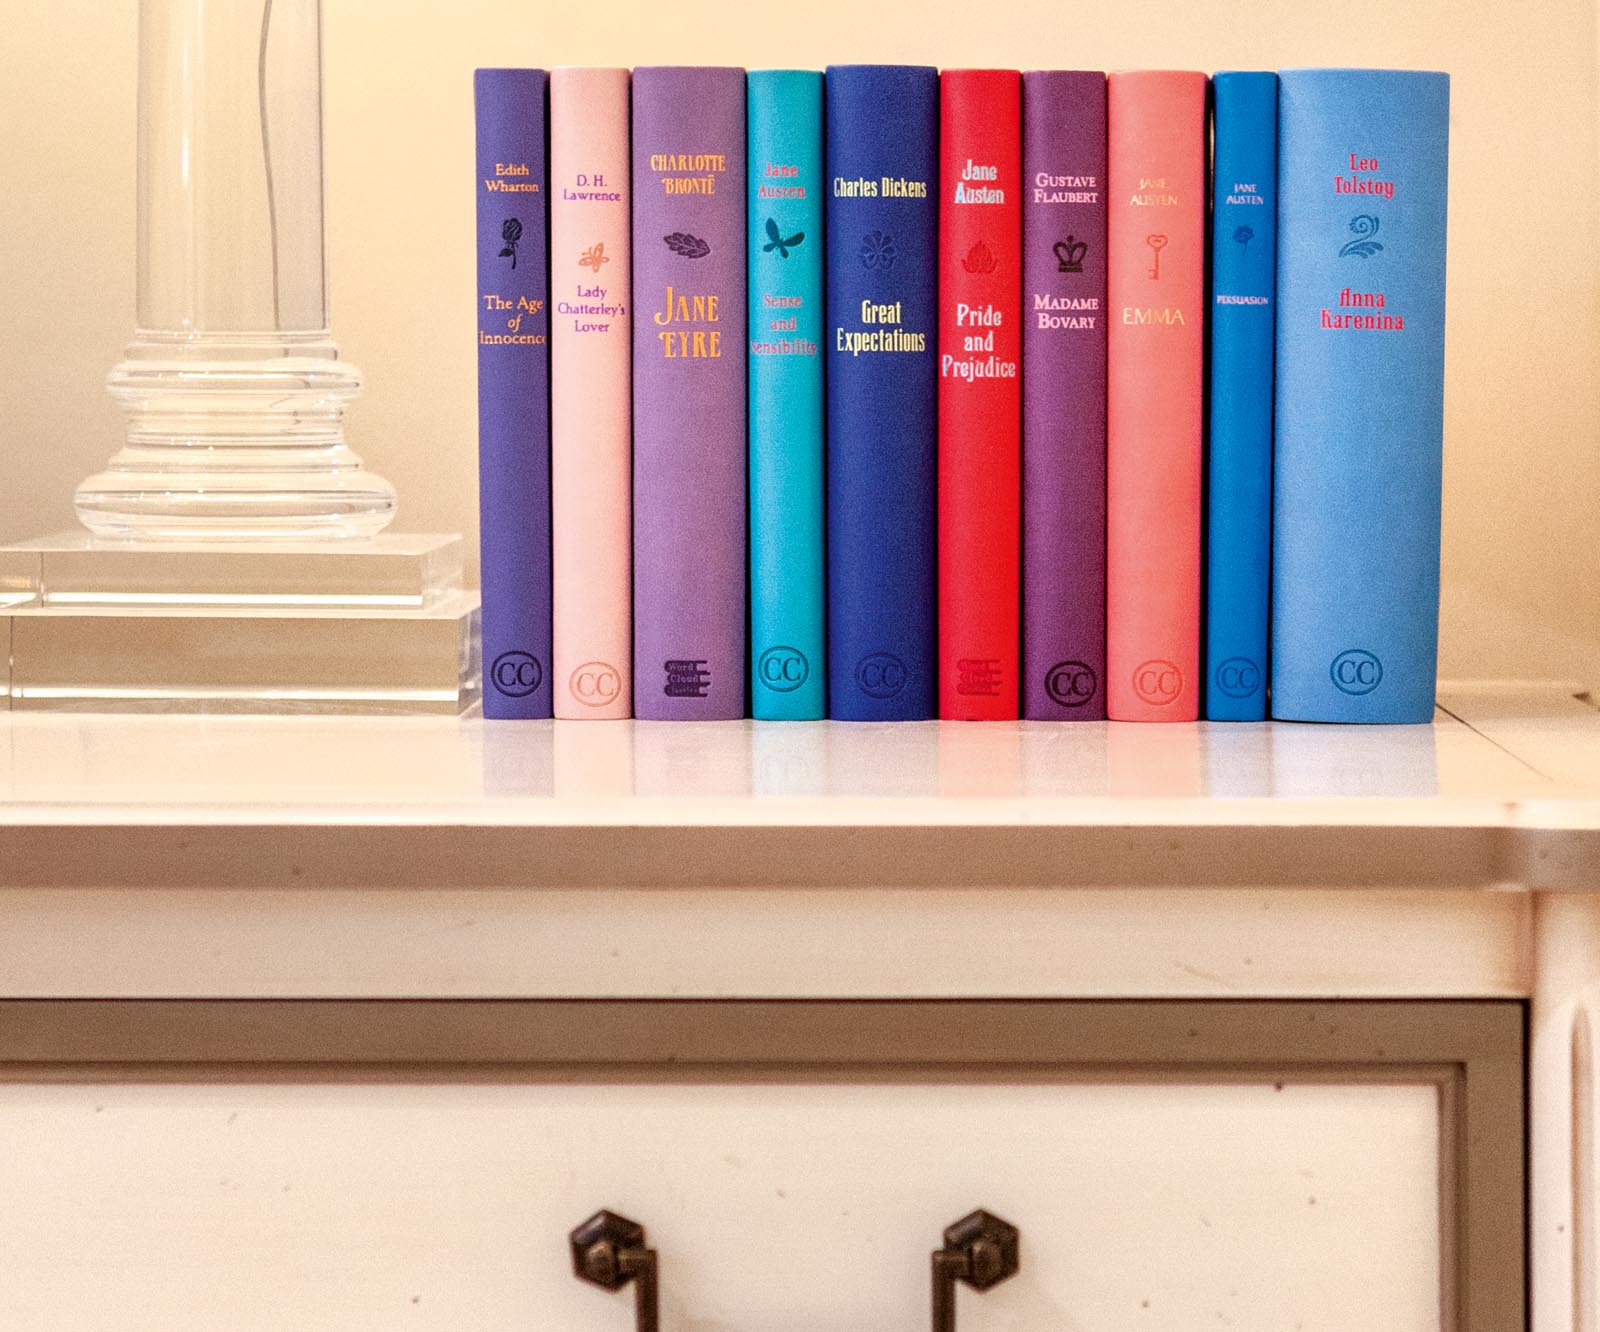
<point>381,625</point>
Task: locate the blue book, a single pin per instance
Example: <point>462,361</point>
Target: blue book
<point>1362,162</point>
<point>788,678</point>
<point>513,391</point>
<point>1244,225</point>
<point>882,275</point>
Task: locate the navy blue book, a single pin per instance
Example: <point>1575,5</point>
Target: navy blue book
<point>1244,225</point>
<point>513,392</point>
<point>882,259</point>
<point>1362,165</point>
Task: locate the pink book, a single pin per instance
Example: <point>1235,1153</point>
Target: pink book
<point>590,392</point>
<point>1156,283</point>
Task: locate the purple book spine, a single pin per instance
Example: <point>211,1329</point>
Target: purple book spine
<point>513,392</point>
<point>689,393</point>
<point>1064,396</point>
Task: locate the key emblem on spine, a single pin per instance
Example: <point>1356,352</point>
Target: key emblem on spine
<point>608,1250</point>
<point>1157,243</point>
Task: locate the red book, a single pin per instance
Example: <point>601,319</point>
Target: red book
<point>980,400</point>
<point>1156,290</point>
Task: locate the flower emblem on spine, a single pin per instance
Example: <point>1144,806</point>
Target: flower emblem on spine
<point>1364,226</point>
<point>510,234</point>
<point>1244,235</point>
<point>980,259</point>
<point>877,250</point>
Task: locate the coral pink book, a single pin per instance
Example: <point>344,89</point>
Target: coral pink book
<point>591,442</point>
<point>1154,351</point>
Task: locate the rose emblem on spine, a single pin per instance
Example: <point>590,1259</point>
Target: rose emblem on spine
<point>510,233</point>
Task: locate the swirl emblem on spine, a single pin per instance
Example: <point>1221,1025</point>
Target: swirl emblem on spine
<point>1365,227</point>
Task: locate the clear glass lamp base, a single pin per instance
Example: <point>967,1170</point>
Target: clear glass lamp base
<point>246,446</point>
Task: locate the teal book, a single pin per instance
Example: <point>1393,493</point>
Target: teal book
<point>784,183</point>
<point>1244,229</point>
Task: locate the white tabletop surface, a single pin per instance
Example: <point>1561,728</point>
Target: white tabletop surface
<point>1495,754</point>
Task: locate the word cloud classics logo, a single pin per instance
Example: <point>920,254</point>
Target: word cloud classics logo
<point>516,674</point>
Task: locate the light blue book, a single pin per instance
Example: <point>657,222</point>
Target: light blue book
<point>1244,226</point>
<point>1362,165</point>
<point>788,679</point>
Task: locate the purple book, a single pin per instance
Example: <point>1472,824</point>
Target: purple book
<point>1063,396</point>
<point>688,393</point>
<point>513,391</point>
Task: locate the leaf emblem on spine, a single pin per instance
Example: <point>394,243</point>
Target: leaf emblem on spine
<point>690,247</point>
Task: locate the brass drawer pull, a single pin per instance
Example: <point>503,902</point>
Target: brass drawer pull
<point>981,1250</point>
<point>609,1251</point>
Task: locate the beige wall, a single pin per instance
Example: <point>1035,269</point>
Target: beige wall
<point>1522,486</point>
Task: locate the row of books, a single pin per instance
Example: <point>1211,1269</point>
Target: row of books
<point>889,394</point>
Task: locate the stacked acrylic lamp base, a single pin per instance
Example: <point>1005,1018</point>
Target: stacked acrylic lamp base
<point>380,625</point>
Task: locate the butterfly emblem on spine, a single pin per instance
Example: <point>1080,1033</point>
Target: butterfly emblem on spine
<point>777,241</point>
<point>594,256</point>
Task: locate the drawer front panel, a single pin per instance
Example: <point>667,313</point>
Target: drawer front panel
<point>1170,1167</point>
<point>773,1205</point>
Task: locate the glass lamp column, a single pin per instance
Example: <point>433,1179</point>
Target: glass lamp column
<point>234,389</point>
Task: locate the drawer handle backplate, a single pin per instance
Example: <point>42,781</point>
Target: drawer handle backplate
<point>608,1250</point>
<point>980,1250</point>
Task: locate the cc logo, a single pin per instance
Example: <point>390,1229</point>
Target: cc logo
<point>1238,677</point>
<point>1356,672</point>
<point>881,675</point>
<point>516,674</point>
<point>782,669</point>
<point>1158,682</point>
<point>1071,683</point>
<point>595,683</point>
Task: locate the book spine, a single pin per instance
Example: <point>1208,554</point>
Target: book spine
<point>513,392</point>
<point>1244,224</point>
<point>980,392</point>
<point>591,397</point>
<point>788,677</point>
<point>882,370</point>
<point>1064,396</point>
<point>1362,168</point>
<point>689,393</point>
<point>1157,170</point>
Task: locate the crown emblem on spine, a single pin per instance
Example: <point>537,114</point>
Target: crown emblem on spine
<point>1069,254</point>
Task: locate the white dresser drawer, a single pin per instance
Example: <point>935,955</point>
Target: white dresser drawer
<point>1169,1166</point>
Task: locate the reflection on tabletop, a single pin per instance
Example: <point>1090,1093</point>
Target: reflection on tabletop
<point>350,764</point>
